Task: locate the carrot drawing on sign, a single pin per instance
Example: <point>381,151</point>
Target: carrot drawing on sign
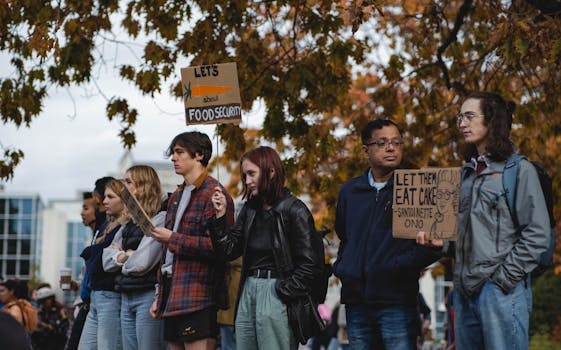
<point>204,90</point>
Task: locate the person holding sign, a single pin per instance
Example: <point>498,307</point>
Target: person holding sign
<point>273,233</point>
<point>379,273</point>
<point>137,257</point>
<point>494,256</point>
<point>192,280</point>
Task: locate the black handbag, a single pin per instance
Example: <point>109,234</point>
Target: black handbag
<point>304,319</point>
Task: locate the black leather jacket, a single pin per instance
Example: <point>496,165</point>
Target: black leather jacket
<point>294,258</point>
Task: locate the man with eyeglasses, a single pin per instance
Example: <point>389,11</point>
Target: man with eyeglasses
<point>379,273</point>
<point>494,255</point>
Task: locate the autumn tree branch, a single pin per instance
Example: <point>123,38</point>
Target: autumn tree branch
<point>452,37</point>
<point>547,7</point>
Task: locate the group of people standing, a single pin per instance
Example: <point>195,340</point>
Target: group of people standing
<point>143,291</point>
<point>42,321</point>
<point>166,288</point>
<point>494,254</point>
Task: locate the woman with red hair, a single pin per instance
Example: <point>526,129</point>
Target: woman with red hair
<point>273,234</point>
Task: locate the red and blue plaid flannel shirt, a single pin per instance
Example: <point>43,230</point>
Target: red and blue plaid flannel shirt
<point>194,284</point>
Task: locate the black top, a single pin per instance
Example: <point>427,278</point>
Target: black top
<point>259,253</point>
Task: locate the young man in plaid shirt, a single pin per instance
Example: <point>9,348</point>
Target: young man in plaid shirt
<point>192,283</point>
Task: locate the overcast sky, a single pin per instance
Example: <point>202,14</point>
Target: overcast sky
<point>72,143</point>
<point>67,149</point>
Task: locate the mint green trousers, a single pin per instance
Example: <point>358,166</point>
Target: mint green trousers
<point>262,320</point>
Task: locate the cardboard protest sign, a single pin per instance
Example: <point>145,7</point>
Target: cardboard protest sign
<point>211,94</point>
<point>426,200</point>
<point>139,216</point>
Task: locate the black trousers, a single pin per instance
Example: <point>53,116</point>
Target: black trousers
<point>77,326</point>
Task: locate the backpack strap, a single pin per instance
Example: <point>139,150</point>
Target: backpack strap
<point>510,180</point>
<point>17,303</point>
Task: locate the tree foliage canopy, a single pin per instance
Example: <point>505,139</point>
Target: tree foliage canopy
<point>322,69</point>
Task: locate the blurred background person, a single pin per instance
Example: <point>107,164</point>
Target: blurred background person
<point>13,293</point>
<point>53,322</point>
<point>12,334</point>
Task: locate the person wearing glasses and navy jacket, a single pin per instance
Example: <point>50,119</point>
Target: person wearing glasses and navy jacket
<point>494,257</point>
<point>379,273</point>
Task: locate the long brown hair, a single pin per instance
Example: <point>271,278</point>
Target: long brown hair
<point>148,188</point>
<point>497,114</point>
<point>270,189</point>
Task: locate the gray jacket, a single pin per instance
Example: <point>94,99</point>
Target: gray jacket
<point>489,245</point>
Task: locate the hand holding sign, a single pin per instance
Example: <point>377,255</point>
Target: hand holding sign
<point>423,239</point>
<point>219,202</point>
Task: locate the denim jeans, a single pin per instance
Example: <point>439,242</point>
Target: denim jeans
<point>103,325</point>
<point>492,319</point>
<point>227,338</point>
<point>390,328</point>
<point>140,330</point>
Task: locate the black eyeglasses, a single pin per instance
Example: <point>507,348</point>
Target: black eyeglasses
<point>385,143</point>
<point>468,117</point>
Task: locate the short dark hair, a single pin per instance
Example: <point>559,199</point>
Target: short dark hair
<point>498,117</point>
<point>376,124</point>
<point>194,142</point>
<point>19,287</point>
<point>87,195</point>
<point>269,189</point>
<point>100,185</point>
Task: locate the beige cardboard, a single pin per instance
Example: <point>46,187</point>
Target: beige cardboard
<point>211,94</point>
<point>139,216</point>
<point>426,200</point>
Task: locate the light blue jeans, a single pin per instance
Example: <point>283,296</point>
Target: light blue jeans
<point>493,320</point>
<point>389,328</point>
<point>140,330</point>
<point>102,329</point>
<point>262,319</point>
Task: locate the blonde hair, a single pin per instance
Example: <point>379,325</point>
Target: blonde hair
<point>148,188</point>
<point>116,186</point>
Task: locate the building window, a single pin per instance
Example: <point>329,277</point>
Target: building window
<point>2,206</point>
<point>1,247</point>
<point>24,267</point>
<point>11,267</point>
<point>25,247</point>
<point>14,206</point>
<point>12,246</point>
<point>13,227</point>
<point>25,227</point>
<point>2,226</point>
<point>27,206</point>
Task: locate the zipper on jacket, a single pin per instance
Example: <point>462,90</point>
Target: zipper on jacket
<point>498,230</point>
<point>467,229</point>
<point>497,210</point>
<point>478,190</point>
